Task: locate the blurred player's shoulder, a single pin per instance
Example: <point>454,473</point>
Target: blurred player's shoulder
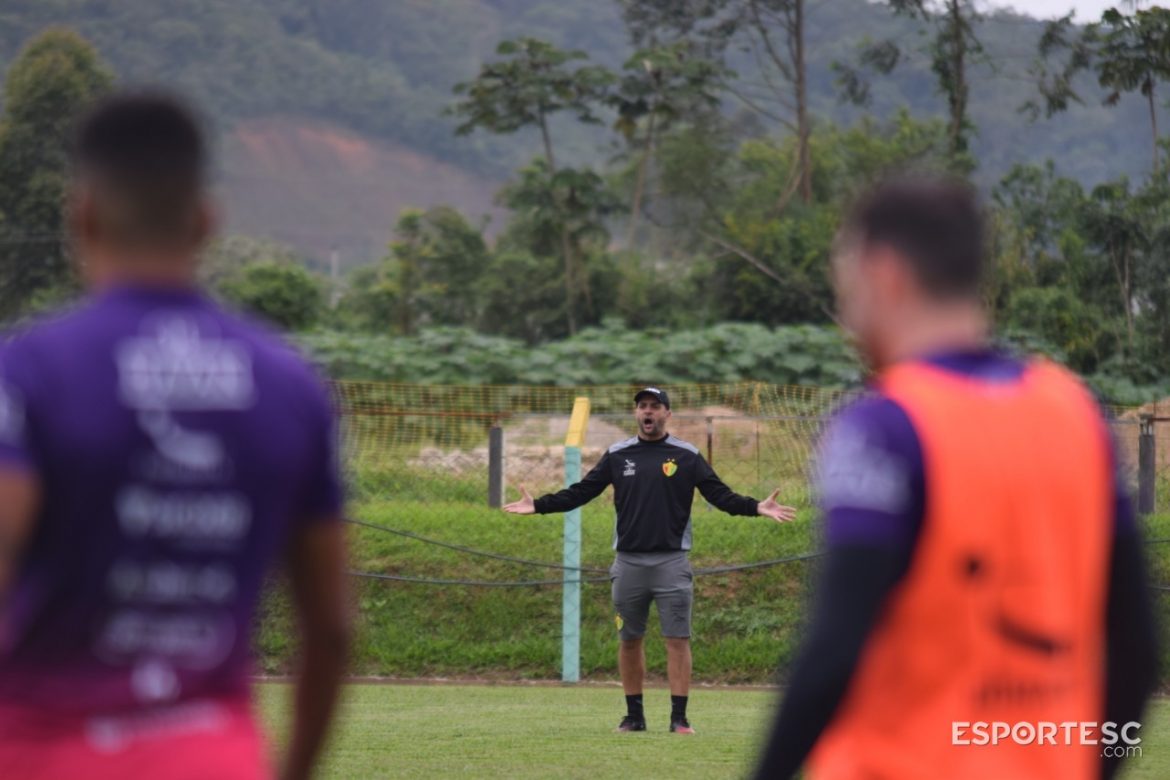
<point>43,339</point>
<point>863,434</point>
<point>273,344</point>
<point>872,413</point>
<point>869,474</point>
<point>278,364</point>
<point>36,327</point>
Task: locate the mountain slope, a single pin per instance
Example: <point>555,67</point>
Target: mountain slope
<point>319,186</point>
<point>304,74</point>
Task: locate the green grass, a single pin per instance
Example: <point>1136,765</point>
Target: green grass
<point>417,731</point>
<point>746,625</point>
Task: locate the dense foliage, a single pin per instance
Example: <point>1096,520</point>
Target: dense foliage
<point>610,354</point>
<point>58,73</point>
<point>287,296</point>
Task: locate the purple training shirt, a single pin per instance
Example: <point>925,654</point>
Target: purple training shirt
<point>177,447</point>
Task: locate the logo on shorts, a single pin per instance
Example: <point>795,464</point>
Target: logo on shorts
<point>617,621</point>
<point>629,472</point>
<point>669,467</point>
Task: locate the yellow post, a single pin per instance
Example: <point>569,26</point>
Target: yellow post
<point>577,423</point>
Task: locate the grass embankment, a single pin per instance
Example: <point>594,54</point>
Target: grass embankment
<point>746,624</point>
<point>411,731</point>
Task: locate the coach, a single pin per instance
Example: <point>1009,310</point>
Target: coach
<point>654,476</point>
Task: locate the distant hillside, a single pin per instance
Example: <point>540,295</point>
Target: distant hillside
<point>293,84</point>
<point>318,186</point>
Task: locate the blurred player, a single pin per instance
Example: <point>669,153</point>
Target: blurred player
<point>156,456</point>
<point>654,477</point>
<point>983,565</point>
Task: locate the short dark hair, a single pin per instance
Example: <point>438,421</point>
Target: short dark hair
<point>144,153</point>
<point>935,223</point>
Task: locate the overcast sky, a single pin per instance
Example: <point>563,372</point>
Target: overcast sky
<point>1087,10</point>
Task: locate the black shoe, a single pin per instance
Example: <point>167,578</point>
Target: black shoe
<point>681,726</point>
<point>630,723</point>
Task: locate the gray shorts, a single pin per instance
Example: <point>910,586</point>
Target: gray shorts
<point>664,578</point>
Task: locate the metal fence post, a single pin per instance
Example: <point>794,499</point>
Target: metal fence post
<point>1147,465</point>
<point>571,600</point>
<point>496,467</point>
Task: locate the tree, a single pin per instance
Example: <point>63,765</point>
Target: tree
<point>370,301</point>
<point>1059,317</point>
<point>1154,295</point>
<point>227,257</point>
<point>533,82</point>
<point>523,296</point>
<point>772,31</point>
<point>653,293</point>
<point>662,86</point>
<point>568,205</point>
<point>1126,53</point>
<point>693,176</point>
<point>436,262</point>
<point>288,296</point>
<point>773,268</point>
<point>1152,279</point>
<point>767,20</point>
<point>953,45</point>
<point>56,75</point>
<point>431,276</point>
<point>1112,225</point>
<point>1041,205</point>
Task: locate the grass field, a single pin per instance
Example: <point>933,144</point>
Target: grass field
<point>746,625</point>
<point>747,622</point>
<point>518,731</point>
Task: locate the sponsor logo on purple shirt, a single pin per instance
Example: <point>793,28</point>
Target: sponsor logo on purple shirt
<point>177,447</point>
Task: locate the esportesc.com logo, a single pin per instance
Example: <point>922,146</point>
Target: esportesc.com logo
<point>1116,741</point>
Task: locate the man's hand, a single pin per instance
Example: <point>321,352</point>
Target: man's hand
<point>525,506</point>
<point>769,508</point>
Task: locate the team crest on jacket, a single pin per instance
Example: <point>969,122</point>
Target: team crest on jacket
<point>669,467</point>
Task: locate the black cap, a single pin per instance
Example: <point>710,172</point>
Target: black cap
<point>661,395</point>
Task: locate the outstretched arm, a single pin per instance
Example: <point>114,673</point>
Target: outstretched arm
<point>525,506</point>
<point>719,495</point>
<point>571,497</point>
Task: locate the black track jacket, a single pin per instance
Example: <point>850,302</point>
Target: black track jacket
<point>654,485</point>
